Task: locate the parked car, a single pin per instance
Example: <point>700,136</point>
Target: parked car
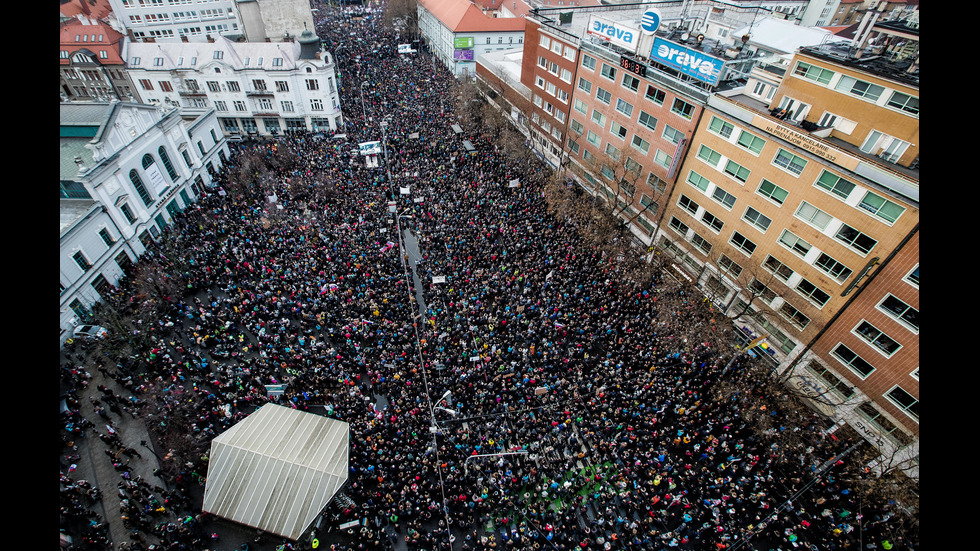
<point>89,332</point>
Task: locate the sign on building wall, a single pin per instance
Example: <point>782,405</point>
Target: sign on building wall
<point>463,55</point>
<point>615,32</point>
<point>157,183</point>
<point>690,62</point>
<point>463,42</point>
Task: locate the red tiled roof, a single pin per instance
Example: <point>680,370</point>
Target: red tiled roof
<point>110,41</point>
<point>465,16</point>
<point>93,9</point>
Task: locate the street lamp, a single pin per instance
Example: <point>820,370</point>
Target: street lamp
<point>363,111</point>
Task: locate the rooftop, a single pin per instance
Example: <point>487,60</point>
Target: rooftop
<point>883,65</point>
<point>195,55</point>
<point>465,16</point>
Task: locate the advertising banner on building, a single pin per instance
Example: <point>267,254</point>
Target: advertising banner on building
<point>463,55</point>
<point>157,183</point>
<point>690,62</point>
<point>463,42</point>
<point>615,32</point>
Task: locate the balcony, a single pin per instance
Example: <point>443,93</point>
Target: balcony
<point>259,93</point>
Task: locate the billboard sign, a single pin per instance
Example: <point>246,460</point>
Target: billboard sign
<point>463,42</point>
<point>615,32</point>
<point>463,55</point>
<point>650,21</point>
<point>690,62</point>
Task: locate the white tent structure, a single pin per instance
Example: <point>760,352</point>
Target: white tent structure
<point>276,469</point>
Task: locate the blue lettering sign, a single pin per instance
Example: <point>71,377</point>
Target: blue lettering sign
<point>690,62</point>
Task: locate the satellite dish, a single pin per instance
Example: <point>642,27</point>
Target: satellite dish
<point>685,36</point>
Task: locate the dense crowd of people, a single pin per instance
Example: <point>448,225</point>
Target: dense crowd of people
<point>536,399</point>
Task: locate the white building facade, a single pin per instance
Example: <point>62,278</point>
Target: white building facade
<point>176,20</point>
<point>127,170</point>
<point>261,88</point>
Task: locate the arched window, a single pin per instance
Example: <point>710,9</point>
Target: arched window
<point>167,164</point>
<point>138,184</point>
<point>147,161</point>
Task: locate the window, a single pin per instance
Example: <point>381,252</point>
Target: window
<point>233,86</point>
<point>687,204</point>
<point>678,226</point>
<point>239,106</point>
<point>742,243</point>
<point>737,171</point>
<point>913,277</point>
<point>603,96</point>
<point>790,162</point>
<point>859,88</point>
<point>881,207</point>
<point>812,293</point>
<point>856,363</point>
<point>757,219</point>
<point>165,86</point>
<point>794,316</point>
<point>874,336</point>
<point>588,62</point>
<point>779,269</point>
<point>618,130</point>
<point>573,146</point>
<point>258,84</point>
<point>593,138</point>
<point>663,159</point>
<point>712,221</point>
<point>624,107</point>
<point>834,184</point>
<point>312,84</point>
<point>814,73</point>
<point>220,105</point>
<point>631,83</point>
<point>648,120</point>
<point>905,401</point>
<point>633,168</point>
<point>612,151</point>
<point>721,127</point>
<point>672,134</point>
<point>282,86</point>
<point>794,243</point>
<point>698,181</point>
<point>813,215</point>
<point>577,127</point>
<point>167,164</point>
<point>772,191</point>
<point>127,212</point>
<point>828,264</point>
<point>905,102</point>
<point>146,84</point>
<point>584,85</point>
<point>608,72</point>
<point>134,177</point>
<point>729,266</point>
<point>751,142</point>
<point>82,262</point>
<point>833,382</point>
<point>723,197</point>
<point>896,308</point>
<point>316,105</point>
<point>702,244</point>
<point>542,62</point>
<point>655,95</point>
<point>200,147</point>
<point>608,172</point>
<point>566,75</point>
<point>760,290</point>
<point>641,144</point>
<point>218,54</point>
<point>214,86</point>
<point>277,62</point>
<point>709,155</point>
<point>598,118</point>
<point>649,204</point>
<point>852,237</point>
<point>682,108</point>
<point>106,237</point>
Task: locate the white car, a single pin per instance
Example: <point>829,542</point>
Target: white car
<point>89,332</point>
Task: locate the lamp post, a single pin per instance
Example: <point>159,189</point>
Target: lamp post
<point>363,110</point>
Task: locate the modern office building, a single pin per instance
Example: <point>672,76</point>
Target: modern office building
<point>257,88</point>
<point>126,170</point>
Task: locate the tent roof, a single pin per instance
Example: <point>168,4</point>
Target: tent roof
<point>276,469</point>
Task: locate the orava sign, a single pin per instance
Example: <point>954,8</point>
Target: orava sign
<point>614,32</point>
<point>690,62</point>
